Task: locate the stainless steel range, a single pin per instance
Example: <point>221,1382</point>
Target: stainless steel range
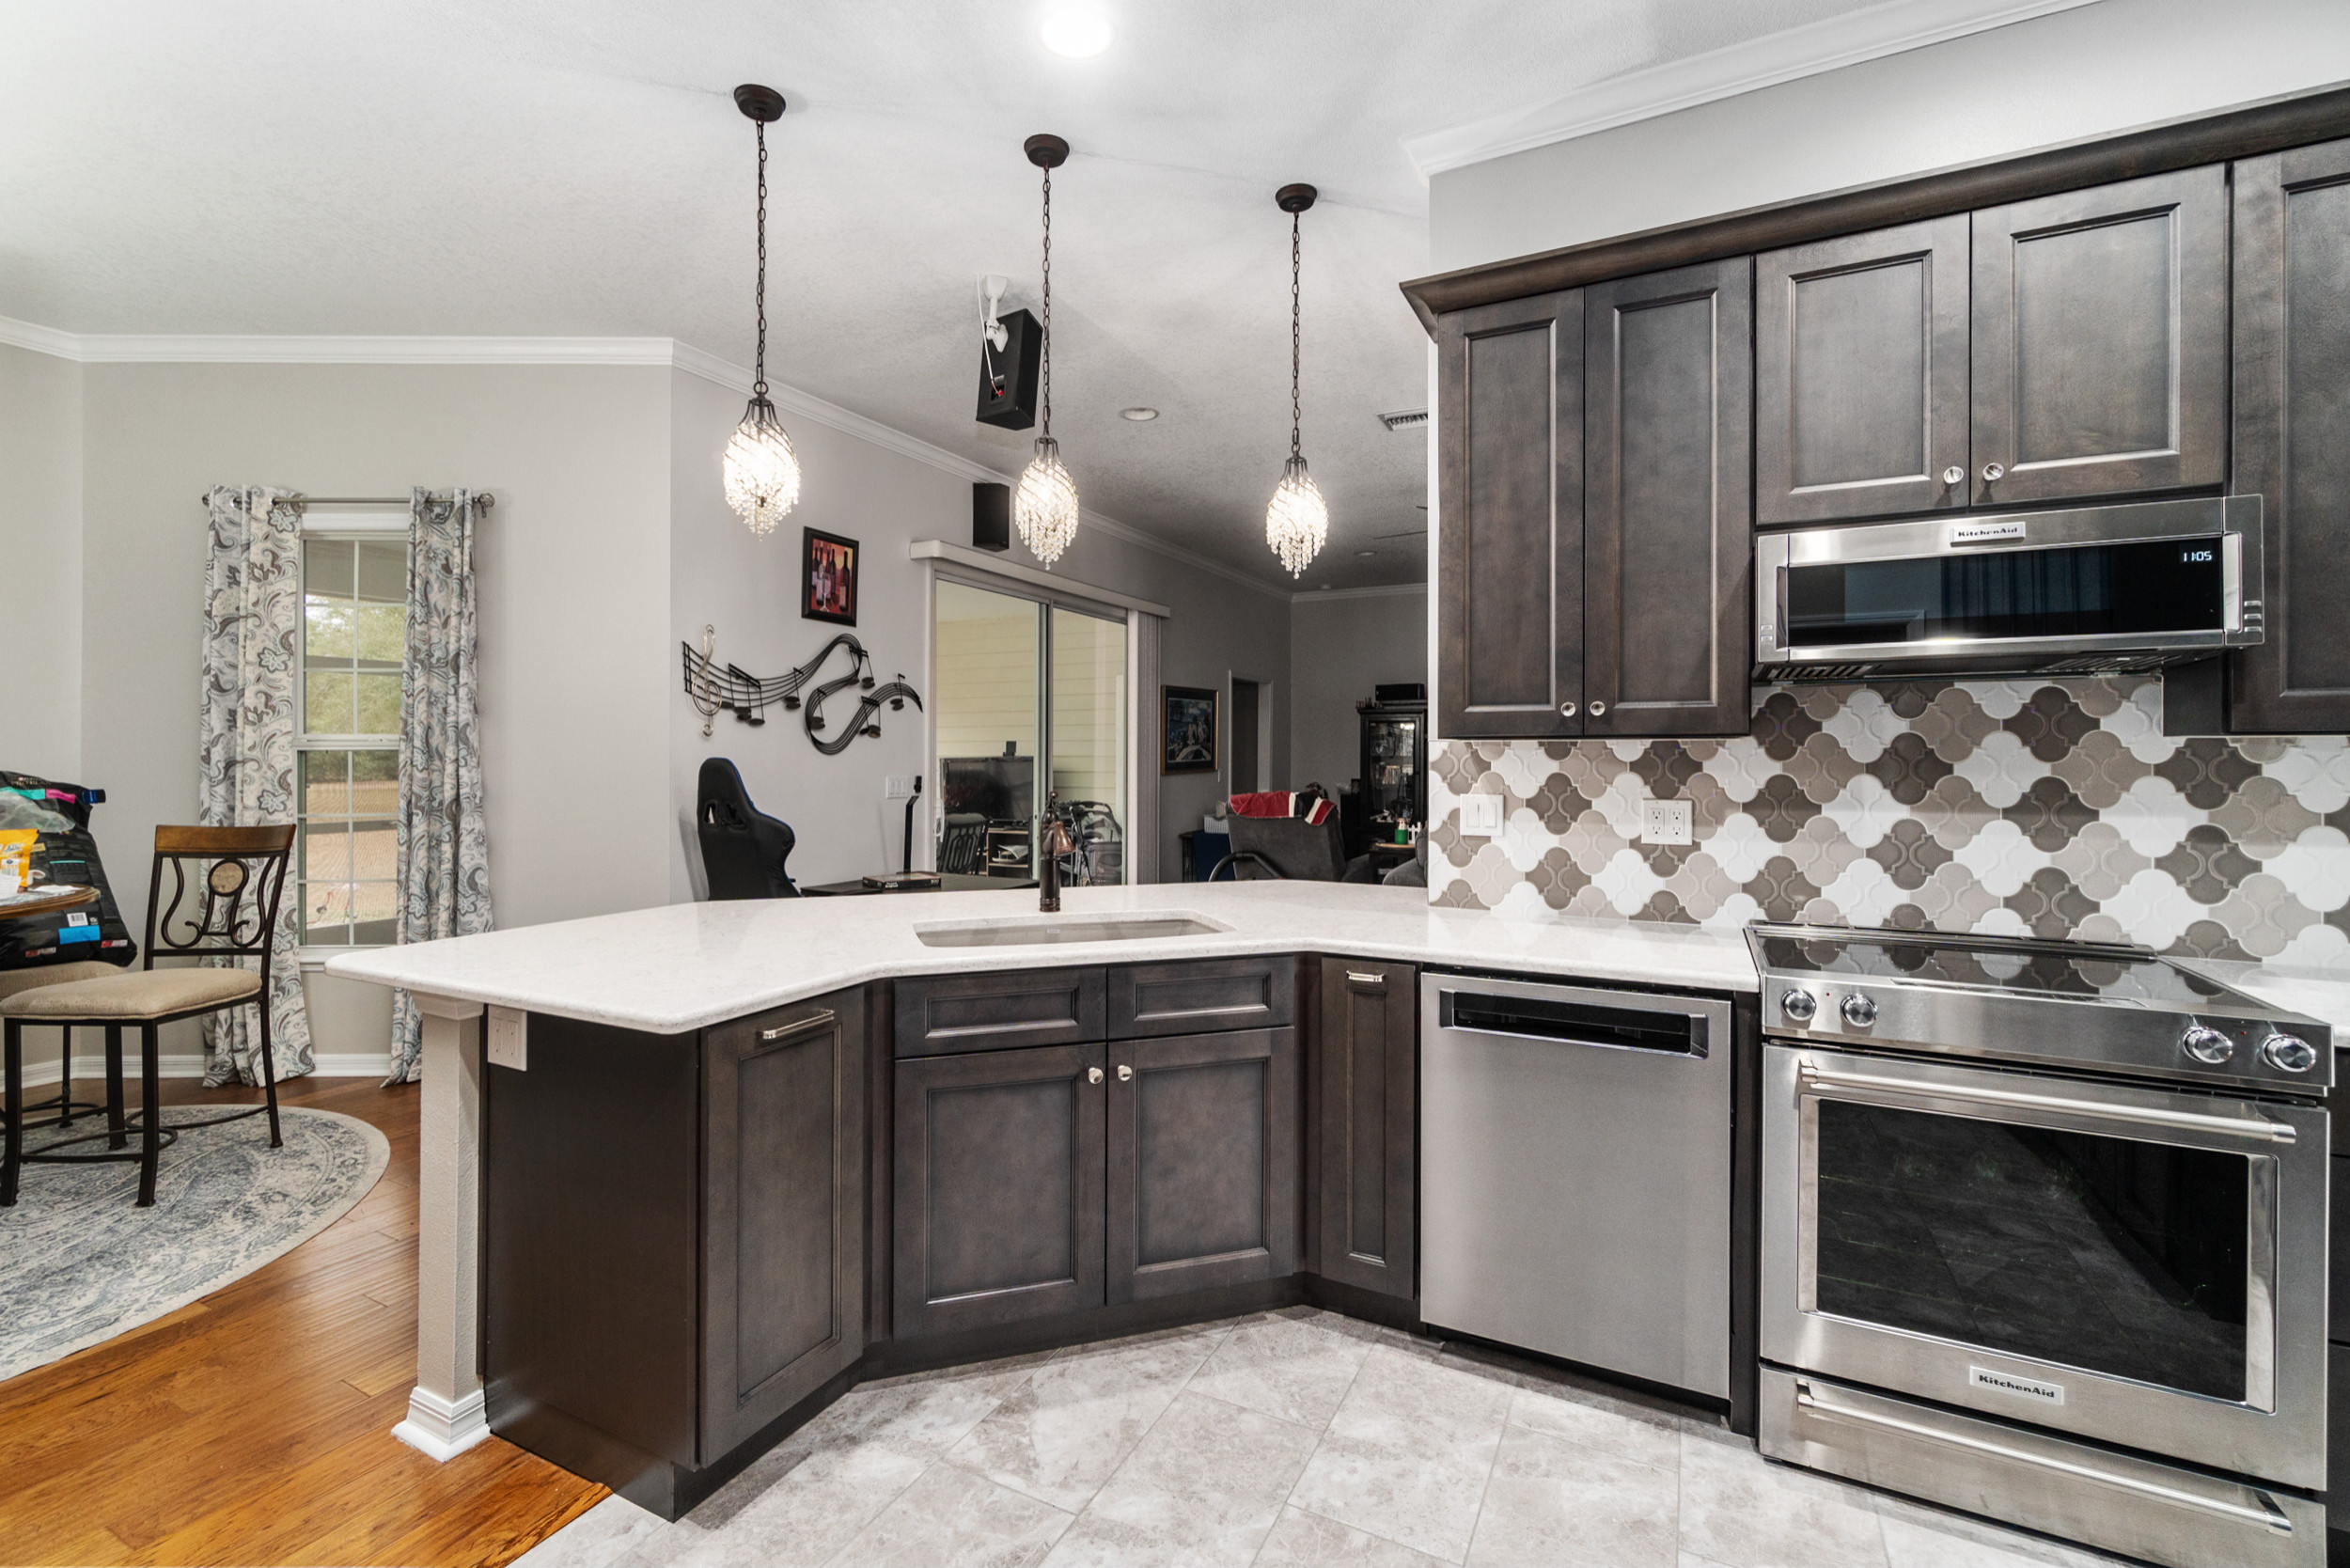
<point>2043,1237</point>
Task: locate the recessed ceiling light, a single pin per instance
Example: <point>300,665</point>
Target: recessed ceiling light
<point>1077,32</point>
<point>1140,415</point>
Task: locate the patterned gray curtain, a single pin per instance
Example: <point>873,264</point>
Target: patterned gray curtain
<point>245,741</point>
<point>444,848</point>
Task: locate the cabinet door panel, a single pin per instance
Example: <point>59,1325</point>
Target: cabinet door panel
<point>1861,374</point>
<point>1669,552</point>
<point>2293,432</point>
<point>783,1239</point>
<point>2101,341</point>
<point>1369,1125</point>
<point>998,1189</point>
<point>1510,518</point>
<point>1201,995</point>
<point>1204,1145</point>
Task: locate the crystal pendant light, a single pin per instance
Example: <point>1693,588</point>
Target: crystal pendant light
<point>1044,509</point>
<point>762,472</point>
<point>1295,521</point>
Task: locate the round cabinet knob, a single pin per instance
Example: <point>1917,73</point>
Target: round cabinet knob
<point>1994,471</point>
<point>1125,1074</point>
<point>1799,1005</point>
<point>2288,1053</point>
<point>1093,1074</point>
<point>1859,1011</point>
<point>1598,706</point>
<point>2206,1044</point>
<point>1566,710</point>
<point>1953,475</point>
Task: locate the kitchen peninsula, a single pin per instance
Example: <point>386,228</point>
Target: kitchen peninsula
<point>691,1173</point>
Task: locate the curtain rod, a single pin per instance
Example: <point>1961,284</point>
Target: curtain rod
<point>485,499</point>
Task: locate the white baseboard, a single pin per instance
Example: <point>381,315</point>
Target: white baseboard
<point>441,1429</point>
<point>40,1066</point>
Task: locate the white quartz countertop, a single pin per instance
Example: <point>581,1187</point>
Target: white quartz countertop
<point>685,966</point>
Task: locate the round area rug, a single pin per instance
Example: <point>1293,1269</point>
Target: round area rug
<point>80,1262</point>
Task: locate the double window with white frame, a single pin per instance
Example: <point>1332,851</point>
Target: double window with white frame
<point>354,600</point>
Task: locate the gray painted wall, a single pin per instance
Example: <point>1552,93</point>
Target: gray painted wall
<point>40,541</point>
<point>1341,645</point>
<point>2078,73</point>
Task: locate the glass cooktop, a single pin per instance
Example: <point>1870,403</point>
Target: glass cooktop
<point>2041,968</point>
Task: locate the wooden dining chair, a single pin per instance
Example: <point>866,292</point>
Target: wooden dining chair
<point>230,880</point>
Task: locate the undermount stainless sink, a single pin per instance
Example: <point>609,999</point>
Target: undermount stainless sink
<point>1053,930</point>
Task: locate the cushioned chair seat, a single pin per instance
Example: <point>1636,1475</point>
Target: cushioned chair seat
<point>14,981</point>
<point>137,994</point>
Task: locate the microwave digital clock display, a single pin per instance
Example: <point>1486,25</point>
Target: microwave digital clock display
<point>2077,590</point>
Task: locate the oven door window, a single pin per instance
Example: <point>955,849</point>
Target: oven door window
<point>2111,1254</point>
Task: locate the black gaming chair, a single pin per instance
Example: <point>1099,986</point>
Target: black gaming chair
<point>743,848</point>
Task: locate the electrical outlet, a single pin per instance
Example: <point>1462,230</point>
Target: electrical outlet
<point>1481,816</point>
<point>1664,822</point>
<point>898,786</point>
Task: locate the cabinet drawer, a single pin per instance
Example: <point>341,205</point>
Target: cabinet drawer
<point>943,1014</point>
<point>1202,996</point>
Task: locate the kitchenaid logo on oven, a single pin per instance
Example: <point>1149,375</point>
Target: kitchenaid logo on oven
<point>2023,1388</point>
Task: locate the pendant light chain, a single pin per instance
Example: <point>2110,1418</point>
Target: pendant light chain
<point>1296,521</point>
<point>1044,507</point>
<point>1047,332</point>
<point>759,375</point>
<point>1294,272</point>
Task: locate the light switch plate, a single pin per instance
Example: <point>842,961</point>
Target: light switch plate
<point>898,786</point>
<point>1481,816</point>
<point>509,1039</point>
<point>1664,822</point>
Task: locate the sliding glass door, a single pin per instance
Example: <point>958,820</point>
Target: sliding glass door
<point>1018,679</point>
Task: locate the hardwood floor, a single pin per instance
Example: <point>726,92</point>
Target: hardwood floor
<point>254,1426</point>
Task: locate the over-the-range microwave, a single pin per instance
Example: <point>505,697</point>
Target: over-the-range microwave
<point>2085,591</point>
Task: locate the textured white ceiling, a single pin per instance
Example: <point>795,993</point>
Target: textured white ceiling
<point>528,167</point>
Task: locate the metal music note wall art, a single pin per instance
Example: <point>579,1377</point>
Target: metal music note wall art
<point>714,688</point>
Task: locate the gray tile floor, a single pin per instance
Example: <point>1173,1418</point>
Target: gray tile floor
<point>1293,1437</point>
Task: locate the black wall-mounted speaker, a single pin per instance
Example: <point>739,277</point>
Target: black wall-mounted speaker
<point>991,516</point>
<point>1008,375</point>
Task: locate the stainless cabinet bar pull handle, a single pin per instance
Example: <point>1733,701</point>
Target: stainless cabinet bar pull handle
<point>1093,1074</point>
<point>816,1020</point>
<point>1361,979</point>
<point>2269,1514</point>
<point>1816,1079</point>
<point>1125,1074</point>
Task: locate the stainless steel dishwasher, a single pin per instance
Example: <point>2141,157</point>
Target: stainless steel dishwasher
<point>1574,1174</point>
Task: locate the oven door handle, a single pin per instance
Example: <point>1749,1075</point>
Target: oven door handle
<point>2268,1516</point>
<point>1816,1080</point>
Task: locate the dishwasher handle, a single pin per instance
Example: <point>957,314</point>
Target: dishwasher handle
<point>1603,1021</point>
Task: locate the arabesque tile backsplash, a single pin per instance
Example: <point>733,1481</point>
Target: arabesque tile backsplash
<point>2055,808</point>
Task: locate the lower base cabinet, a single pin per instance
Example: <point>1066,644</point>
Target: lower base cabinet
<point>1367,1127</point>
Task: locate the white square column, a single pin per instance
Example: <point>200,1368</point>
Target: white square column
<point>445,1412</point>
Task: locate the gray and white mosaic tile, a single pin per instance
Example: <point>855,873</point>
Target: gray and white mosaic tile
<point>2020,808</point>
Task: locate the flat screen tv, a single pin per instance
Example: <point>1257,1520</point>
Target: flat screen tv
<point>1001,789</point>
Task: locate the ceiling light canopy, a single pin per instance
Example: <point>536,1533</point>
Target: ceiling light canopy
<point>1140,415</point>
<point>1295,521</point>
<point>761,470</point>
<point>1044,508</point>
<point>1075,32</point>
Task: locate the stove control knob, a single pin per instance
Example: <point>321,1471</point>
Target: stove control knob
<point>2206,1044</point>
<point>1799,1005</point>
<point>2288,1053</point>
<point>1859,1011</point>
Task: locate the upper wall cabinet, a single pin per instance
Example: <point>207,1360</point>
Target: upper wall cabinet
<point>2101,341</point>
<point>1861,375</point>
<point>1510,509</point>
<point>1668,553</point>
<point>2293,432</point>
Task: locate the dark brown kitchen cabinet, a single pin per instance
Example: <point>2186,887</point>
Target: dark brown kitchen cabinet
<point>1861,375</point>
<point>783,1249</point>
<point>1367,1105</point>
<point>1197,995</point>
<point>1205,1151</point>
<point>1510,518</point>
<point>1668,551</point>
<point>993,1010</point>
<point>998,1187</point>
<point>2292,433</point>
<point>2100,340</point>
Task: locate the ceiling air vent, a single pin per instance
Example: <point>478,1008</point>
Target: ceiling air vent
<point>1404,419</point>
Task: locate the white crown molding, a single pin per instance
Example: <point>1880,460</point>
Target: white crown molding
<point>224,349</point>
<point>1383,590</point>
<point>1826,45</point>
